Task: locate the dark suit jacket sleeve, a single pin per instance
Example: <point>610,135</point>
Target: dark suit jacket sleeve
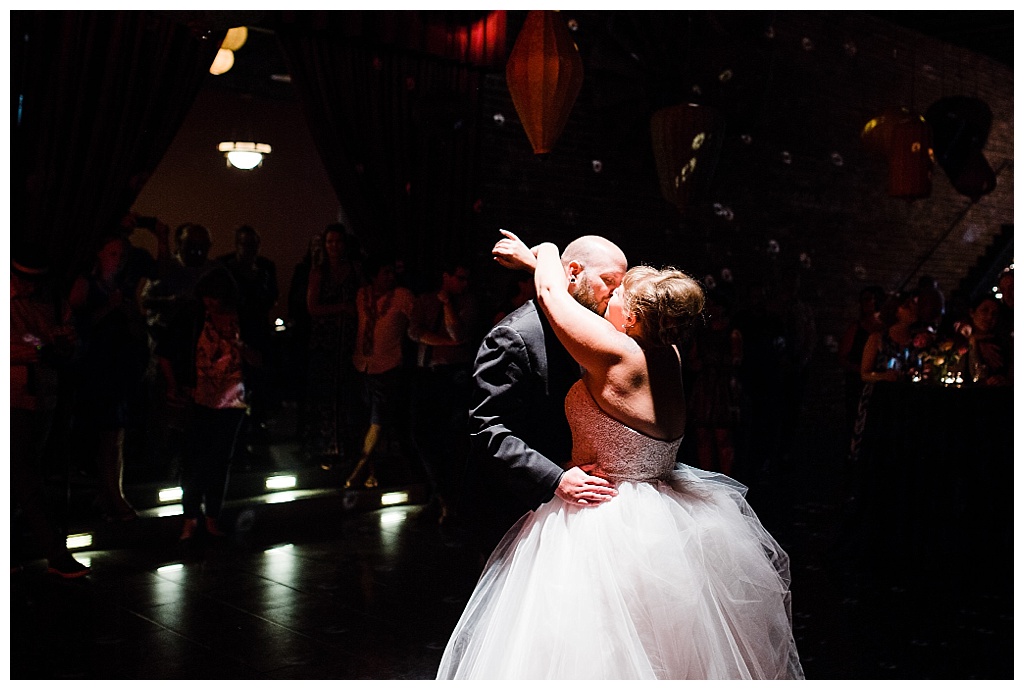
<point>504,400</point>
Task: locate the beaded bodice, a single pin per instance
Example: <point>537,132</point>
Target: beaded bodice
<point>620,452</point>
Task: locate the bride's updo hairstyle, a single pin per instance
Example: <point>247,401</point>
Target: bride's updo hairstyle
<point>667,303</point>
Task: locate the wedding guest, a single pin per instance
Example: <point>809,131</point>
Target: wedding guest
<point>1005,287</point>
<point>213,387</point>
<point>443,326</point>
<point>931,303</point>
<point>300,324</point>
<point>169,300</point>
<point>256,278</point>
<point>42,342</point>
<point>520,291</point>
<point>851,346</point>
<point>331,300</point>
<point>114,359</point>
<point>385,309</point>
<point>989,351</point>
<point>885,356</point>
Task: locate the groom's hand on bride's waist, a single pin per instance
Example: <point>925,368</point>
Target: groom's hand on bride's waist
<point>579,488</point>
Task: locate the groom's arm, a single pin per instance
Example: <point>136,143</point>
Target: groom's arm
<point>505,403</point>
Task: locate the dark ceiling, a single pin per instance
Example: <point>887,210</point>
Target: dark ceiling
<point>988,32</point>
<point>260,67</point>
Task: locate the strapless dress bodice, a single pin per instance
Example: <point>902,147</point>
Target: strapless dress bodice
<point>620,452</point>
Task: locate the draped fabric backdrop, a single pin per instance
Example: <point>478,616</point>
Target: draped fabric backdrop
<point>96,99</point>
<point>392,101</point>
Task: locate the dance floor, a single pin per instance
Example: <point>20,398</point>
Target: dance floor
<point>335,585</point>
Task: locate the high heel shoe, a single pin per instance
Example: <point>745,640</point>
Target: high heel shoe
<point>188,529</point>
<point>355,472</point>
<point>212,529</point>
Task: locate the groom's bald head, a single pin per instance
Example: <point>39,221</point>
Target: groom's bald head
<point>595,266</point>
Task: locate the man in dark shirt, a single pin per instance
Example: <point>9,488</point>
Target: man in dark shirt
<point>256,277</point>
<point>444,328</point>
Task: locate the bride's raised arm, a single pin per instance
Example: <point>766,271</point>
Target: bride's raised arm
<point>591,340</point>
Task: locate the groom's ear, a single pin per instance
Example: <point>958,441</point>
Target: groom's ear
<point>573,270</point>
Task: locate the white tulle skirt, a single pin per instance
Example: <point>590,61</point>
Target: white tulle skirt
<point>672,579</point>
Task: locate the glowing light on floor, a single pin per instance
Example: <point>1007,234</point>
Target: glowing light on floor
<point>170,495</point>
<point>172,568</point>
<point>169,511</point>
<point>79,541</point>
<point>283,497</point>
<point>394,498</point>
<point>392,517</point>
<point>281,482</point>
<point>281,549</point>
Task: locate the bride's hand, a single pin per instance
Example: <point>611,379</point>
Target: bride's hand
<point>579,488</point>
<point>513,253</point>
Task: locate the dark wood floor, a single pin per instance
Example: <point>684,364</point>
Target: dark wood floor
<point>330,588</point>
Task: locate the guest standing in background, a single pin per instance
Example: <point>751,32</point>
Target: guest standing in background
<point>299,325</point>
<point>42,343</point>
<point>385,309</point>
<point>256,278</point>
<point>885,357</point>
<point>331,302</point>
<point>990,351</point>
<point>931,303</point>
<point>114,359</point>
<point>213,388</point>
<point>851,346</point>
<point>520,291</point>
<point>443,326</point>
<point>1005,323</point>
<point>168,299</point>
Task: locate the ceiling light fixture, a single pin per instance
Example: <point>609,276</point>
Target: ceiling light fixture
<point>244,155</point>
<point>224,60</point>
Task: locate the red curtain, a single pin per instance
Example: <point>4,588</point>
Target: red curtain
<point>96,98</point>
<point>391,100</point>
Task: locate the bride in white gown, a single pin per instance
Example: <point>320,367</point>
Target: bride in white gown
<point>673,578</point>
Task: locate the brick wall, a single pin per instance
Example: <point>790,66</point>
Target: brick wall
<point>802,85</point>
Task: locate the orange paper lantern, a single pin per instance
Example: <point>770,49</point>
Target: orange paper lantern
<point>877,132</point>
<point>544,75</point>
<point>683,140</point>
<point>911,159</point>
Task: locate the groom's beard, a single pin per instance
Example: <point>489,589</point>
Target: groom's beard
<point>585,294</point>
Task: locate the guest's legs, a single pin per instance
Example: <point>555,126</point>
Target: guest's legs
<point>111,470</point>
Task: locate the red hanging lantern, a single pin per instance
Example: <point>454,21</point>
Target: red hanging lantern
<point>911,159</point>
<point>877,132</point>
<point>682,137</point>
<point>544,75</point>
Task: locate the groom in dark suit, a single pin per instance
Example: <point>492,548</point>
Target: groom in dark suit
<point>519,435</point>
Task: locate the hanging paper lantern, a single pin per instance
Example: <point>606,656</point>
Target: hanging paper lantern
<point>544,75</point>
<point>877,133</point>
<point>911,159</point>
<point>976,179</point>
<point>683,137</point>
<point>235,38</point>
<point>961,126</point>
<point>223,61</point>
